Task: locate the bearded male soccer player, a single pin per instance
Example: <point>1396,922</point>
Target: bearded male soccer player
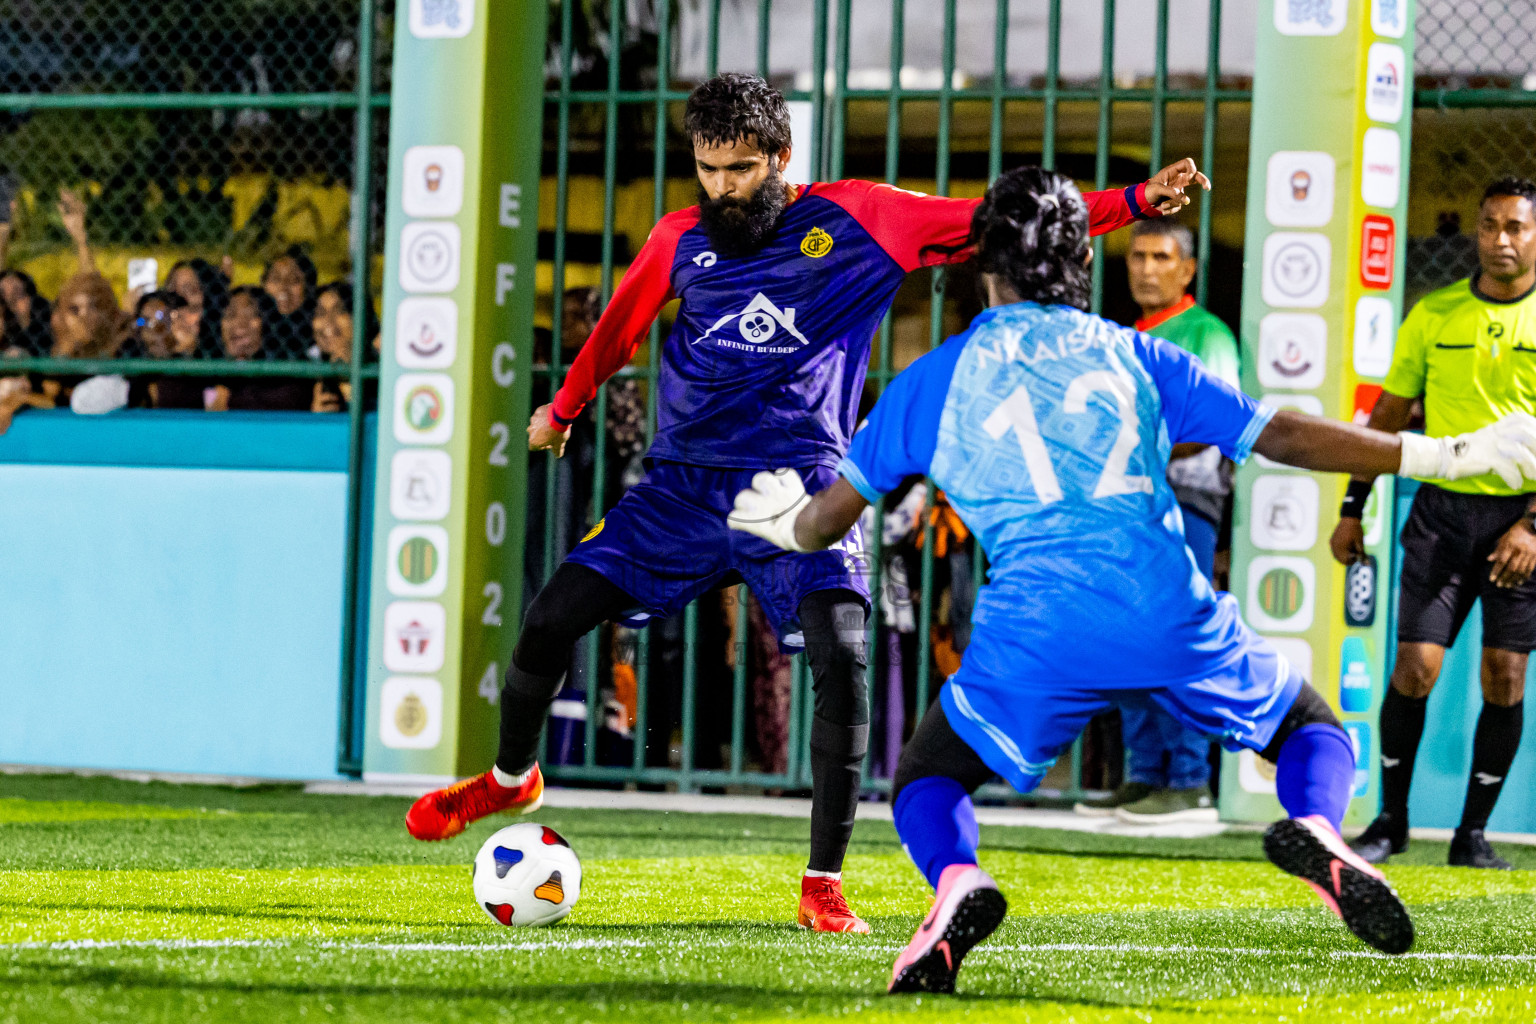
<point>782,289</point>
<point>1049,429</point>
<point>1469,350</point>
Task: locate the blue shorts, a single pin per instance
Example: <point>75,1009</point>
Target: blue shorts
<point>1020,726</point>
<point>666,542</point>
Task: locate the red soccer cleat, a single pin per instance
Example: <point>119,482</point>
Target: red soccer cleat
<point>823,908</point>
<point>444,813</point>
<point>966,909</point>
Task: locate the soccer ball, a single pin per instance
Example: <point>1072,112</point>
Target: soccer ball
<point>526,874</point>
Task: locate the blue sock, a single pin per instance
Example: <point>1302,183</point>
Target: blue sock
<point>937,825</point>
<point>1316,772</point>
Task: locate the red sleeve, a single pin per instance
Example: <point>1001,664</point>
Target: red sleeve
<point>645,288</point>
<point>914,229</point>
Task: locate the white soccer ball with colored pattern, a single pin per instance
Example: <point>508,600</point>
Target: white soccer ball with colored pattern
<point>527,874</point>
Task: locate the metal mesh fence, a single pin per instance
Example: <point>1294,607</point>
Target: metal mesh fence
<point>1475,121</point>
<point>217,132</point>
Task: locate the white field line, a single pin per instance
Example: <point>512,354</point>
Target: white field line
<point>562,945</point>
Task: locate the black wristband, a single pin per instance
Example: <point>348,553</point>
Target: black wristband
<point>1354,499</point>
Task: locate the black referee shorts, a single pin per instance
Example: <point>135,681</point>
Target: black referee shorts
<point>1446,544</point>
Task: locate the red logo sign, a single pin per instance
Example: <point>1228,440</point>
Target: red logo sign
<point>1365,400</point>
<point>1378,251</point>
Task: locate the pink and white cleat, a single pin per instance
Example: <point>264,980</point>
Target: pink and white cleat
<point>1310,849</point>
<point>967,908</point>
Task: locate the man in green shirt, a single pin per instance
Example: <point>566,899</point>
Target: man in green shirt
<point>1469,350</point>
<point>1168,772</point>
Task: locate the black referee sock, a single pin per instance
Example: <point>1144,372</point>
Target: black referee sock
<point>1402,724</point>
<point>1493,750</point>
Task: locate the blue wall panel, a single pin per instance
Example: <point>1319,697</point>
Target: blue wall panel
<point>174,618</point>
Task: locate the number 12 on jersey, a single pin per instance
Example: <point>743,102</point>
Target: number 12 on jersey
<point>1017,413</point>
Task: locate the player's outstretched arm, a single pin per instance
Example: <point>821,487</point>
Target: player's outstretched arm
<point>1167,190</point>
<point>1507,448</point>
<point>1347,542</point>
<point>777,509</point>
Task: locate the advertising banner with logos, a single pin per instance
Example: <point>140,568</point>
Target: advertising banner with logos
<point>1322,298</point>
<point>461,233</point>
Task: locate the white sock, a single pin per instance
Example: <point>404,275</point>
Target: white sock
<point>508,780</point>
<point>836,876</point>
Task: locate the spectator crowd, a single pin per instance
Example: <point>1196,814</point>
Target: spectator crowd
<point>194,313</point>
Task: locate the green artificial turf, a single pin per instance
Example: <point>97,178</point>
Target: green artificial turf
<point>137,903</point>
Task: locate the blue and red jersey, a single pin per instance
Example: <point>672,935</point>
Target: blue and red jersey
<point>766,359</point>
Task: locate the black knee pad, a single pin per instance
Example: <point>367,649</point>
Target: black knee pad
<point>1309,708</point>
<point>844,742</point>
<point>834,624</point>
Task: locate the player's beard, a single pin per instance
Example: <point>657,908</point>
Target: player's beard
<point>738,227</point>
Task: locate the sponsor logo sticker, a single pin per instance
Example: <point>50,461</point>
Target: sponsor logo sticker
<point>423,408</point>
<point>1374,337</point>
<point>1378,251</point>
<point>442,19</point>
<point>429,256</point>
<point>1354,676</point>
<point>418,561</point>
<point>1284,512</point>
<point>1310,17</point>
<point>420,482</point>
<point>433,181</point>
<point>411,713</point>
<point>1281,593</point>
<point>1299,189</point>
<point>1381,167</point>
<point>426,333</point>
<point>1384,74</point>
<point>415,635</point>
<point>1296,266</point>
<point>1293,350</point>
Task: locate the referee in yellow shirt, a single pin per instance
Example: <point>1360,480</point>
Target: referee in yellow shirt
<point>1470,351</point>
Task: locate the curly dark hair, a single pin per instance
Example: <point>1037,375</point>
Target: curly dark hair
<point>733,107</point>
<point>1031,230</point>
<point>1510,185</point>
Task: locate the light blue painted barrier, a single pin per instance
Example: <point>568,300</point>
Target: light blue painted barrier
<point>171,591</point>
<point>1445,755</point>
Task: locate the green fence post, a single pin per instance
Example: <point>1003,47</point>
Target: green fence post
<point>349,758</point>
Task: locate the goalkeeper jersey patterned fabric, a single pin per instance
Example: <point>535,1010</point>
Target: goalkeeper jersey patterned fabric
<point>1049,430</point>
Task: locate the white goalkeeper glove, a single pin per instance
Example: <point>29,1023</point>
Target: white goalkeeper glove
<point>770,507</point>
<point>1507,448</point>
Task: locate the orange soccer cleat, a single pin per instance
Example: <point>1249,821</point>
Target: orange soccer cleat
<point>444,813</point>
<point>823,908</point>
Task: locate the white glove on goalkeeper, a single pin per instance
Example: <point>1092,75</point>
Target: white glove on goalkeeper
<point>770,507</point>
<point>1507,448</point>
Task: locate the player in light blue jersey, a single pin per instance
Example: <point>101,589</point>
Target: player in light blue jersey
<point>1049,430</point>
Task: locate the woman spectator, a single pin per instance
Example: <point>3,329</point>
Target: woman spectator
<point>333,329</point>
<point>86,321</point>
<point>162,331</point>
<point>249,322</point>
<point>290,280</point>
<point>26,315</point>
<point>206,290</point>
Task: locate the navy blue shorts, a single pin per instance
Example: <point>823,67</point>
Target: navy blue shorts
<point>666,542</point>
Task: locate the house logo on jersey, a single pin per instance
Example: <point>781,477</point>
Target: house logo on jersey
<point>756,325</point>
<point>817,243</point>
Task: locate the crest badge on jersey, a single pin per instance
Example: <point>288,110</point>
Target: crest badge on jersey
<point>816,244</point>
